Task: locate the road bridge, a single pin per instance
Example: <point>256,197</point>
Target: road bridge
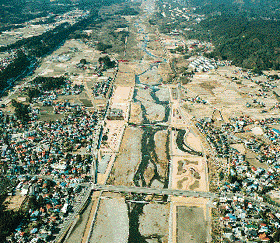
<point>175,192</point>
<point>158,191</point>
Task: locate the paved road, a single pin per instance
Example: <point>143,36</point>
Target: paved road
<point>145,190</point>
<point>174,192</point>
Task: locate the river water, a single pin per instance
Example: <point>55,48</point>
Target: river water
<point>149,127</point>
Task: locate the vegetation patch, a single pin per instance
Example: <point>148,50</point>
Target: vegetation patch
<point>195,174</point>
<point>86,102</point>
<point>21,111</point>
<point>195,185</point>
<point>180,183</point>
<point>50,83</point>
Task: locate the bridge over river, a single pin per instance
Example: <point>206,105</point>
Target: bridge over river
<point>174,192</point>
<point>158,191</point>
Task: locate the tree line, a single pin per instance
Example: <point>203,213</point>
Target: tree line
<point>14,69</point>
<point>39,46</point>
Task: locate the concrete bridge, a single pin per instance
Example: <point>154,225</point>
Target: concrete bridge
<point>175,192</point>
<point>158,191</point>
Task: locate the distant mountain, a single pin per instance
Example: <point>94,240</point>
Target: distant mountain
<point>246,2</point>
<point>244,31</point>
<point>251,8</point>
<point>19,11</point>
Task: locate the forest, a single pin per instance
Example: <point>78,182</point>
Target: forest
<point>128,11</point>
<point>107,62</point>
<point>49,83</point>
<point>14,69</point>
<point>248,8</point>
<point>21,111</point>
<point>245,32</point>
<point>251,44</point>
<point>9,219</point>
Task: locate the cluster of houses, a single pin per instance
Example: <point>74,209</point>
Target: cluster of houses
<point>65,106</point>
<point>214,136</point>
<point>251,215</point>
<point>256,103</point>
<point>248,179</point>
<point>50,147</point>
<point>48,97</point>
<point>61,58</point>
<point>196,99</point>
<point>197,45</point>
<point>276,106</point>
<point>101,88</point>
<point>241,122</point>
<point>47,148</point>
<point>202,64</point>
<point>247,218</point>
<point>57,151</point>
<point>266,85</point>
<point>5,61</point>
<point>245,221</point>
<point>177,13</point>
<point>267,152</point>
<point>71,17</point>
<point>35,28</point>
<point>51,203</point>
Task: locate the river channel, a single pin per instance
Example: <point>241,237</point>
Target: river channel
<point>146,95</point>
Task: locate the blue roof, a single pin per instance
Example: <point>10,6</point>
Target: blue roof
<point>18,228</point>
<point>276,130</point>
<point>63,184</point>
<point>232,216</point>
<point>34,230</point>
<point>35,214</point>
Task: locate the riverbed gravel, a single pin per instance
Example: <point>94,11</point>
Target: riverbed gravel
<point>154,221</point>
<point>155,112</point>
<point>163,94</point>
<point>112,224</point>
<point>128,158</point>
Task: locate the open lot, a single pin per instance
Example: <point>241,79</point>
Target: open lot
<point>229,90</point>
<point>190,225</point>
<point>126,74</point>
<point>14,202</point>
<point>154,222</point>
